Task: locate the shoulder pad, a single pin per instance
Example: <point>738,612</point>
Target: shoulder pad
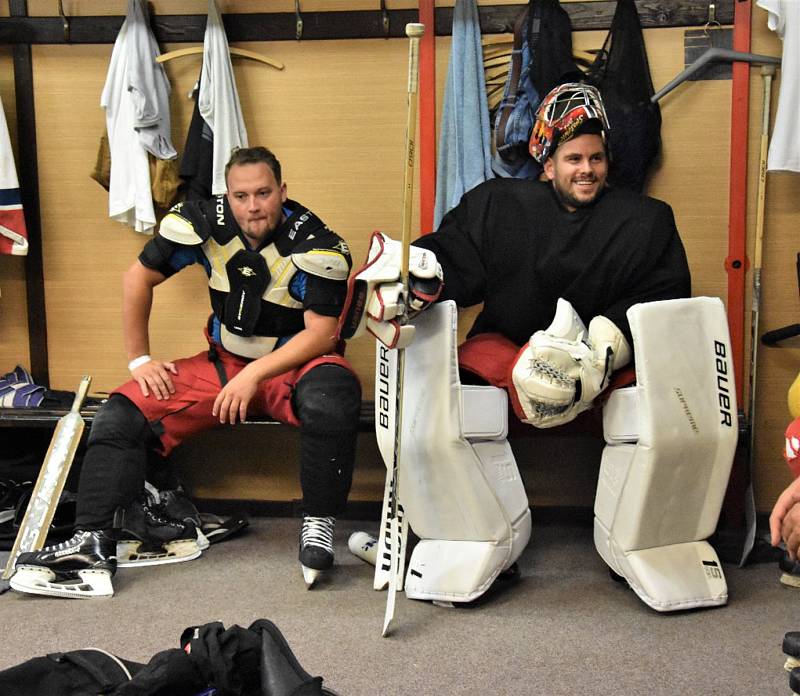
<point>184,224</point>
<point>326,257</point>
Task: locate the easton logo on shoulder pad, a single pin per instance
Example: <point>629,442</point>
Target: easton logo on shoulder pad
<point>297,223</point>
<point>246,271</point>
<point>341,247</point>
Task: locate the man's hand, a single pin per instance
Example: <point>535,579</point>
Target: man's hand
<point>234,398</point>
<point>784,522</point>
<point>154,378</point>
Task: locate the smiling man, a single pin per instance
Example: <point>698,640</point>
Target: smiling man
<point>277,279</point>
<point>556,264</point>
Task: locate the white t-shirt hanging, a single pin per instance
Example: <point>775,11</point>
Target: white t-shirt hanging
<point>218,99</point>
<point>784,148</point>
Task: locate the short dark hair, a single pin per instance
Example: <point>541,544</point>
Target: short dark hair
<point>254,155</point>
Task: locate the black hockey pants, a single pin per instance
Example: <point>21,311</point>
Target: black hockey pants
<point>326,399</point>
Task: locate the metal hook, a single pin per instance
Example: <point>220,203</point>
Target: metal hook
<point>64,20</point>
<point>385,19</point>
<point>712,19</point>
<point>298,32</point>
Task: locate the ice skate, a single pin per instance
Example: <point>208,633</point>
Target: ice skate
<point>79,568</point>
<point>178,506</point>
<point>791,571</point>
<point>316,547</point>
<point>147,536</point>
<point>791,649</point>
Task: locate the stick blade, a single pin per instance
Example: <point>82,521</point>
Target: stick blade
<point>392,594</point>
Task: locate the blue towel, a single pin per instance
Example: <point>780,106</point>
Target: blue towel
<point>464,159</point>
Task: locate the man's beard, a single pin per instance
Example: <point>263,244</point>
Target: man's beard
<point>570,201</point>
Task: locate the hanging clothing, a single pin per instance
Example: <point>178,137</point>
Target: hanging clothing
<point>13,234</point>
<point>784,149</point>
<point>136,101</point>
<point>197,162</point>
<point>464,159</point>
<point>218,99</point>
<point>544,34</point>
<point>622,74</point>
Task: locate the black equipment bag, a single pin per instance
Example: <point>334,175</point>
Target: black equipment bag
<point>622,74</point>
<point>75,673</point>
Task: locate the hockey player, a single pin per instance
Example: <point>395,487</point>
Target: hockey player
<point>784,522</point>
<point>277,280</point>
<point>557,264</point>
<point>519,246</point>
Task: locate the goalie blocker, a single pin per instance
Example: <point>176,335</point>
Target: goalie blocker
<point>374,293</point>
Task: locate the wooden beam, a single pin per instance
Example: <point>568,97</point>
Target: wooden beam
<point>29,193</point>
<point>355,24</point>
<point>736,263</point>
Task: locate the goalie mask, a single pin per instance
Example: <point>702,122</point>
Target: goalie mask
<point>562,114</point>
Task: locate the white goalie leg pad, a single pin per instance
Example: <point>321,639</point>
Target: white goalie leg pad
<point>670,447</point>
<point>459,485</point>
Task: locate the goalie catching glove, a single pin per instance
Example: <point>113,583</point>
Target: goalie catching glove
<point>561,370</point>
<point>375,299</point>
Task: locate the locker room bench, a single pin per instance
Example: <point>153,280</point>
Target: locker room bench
<point>47,418</point>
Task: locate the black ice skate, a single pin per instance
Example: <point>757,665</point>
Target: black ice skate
<point>79,568</point>
<point>178,506</point>
<point>791,649</point>
<point>147,536</point>
<point>316,547</point>
<point>791,570</point>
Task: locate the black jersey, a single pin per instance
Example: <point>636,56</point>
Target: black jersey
<point>510,244</point>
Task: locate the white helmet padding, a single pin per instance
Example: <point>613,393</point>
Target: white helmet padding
<point>670,446</point>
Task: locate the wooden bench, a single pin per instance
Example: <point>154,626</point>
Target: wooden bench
<point>47,418</point>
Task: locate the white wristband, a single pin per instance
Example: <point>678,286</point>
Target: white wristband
<point>137,362</point>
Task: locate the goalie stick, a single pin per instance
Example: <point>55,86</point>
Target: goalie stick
<point>414,32</point>
<point>44,499</point>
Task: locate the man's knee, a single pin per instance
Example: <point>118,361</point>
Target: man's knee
<point>328,399</point>
<point>119,420</point>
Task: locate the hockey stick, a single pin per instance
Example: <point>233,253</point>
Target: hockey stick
<point>414,32</point>
<point>44,499</point>
<point>767,73</point>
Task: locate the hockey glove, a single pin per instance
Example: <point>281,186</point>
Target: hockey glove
<point>375,294</point>
<point>561,370</point>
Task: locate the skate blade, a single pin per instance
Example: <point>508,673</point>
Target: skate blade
<point>202,540</point>
<point>36,580</point>
<point>310,575</point>
<point>790,580</point>
<point>129,553</point>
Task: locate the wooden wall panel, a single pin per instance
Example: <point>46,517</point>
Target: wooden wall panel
<point>13,307</point>
<point>335,117</point>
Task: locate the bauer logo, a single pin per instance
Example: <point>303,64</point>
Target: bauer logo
<point>723,383</point>
<point>383,387</point>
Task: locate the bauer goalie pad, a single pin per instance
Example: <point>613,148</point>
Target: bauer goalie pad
<point>459,485</point>
<point>670,446</point>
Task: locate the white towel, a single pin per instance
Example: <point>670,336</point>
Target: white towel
<point>218,99</point>
<point>136,100</point>
<point>464,142</point>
